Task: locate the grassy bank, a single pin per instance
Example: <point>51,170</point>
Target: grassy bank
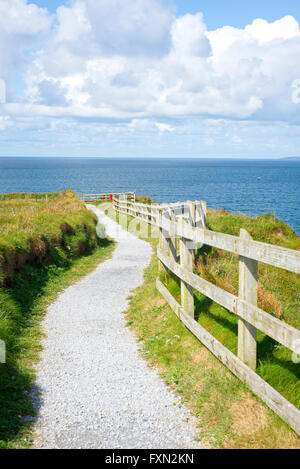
<point>46,244</point>
<point>42,227</point>
<point>228,414</point>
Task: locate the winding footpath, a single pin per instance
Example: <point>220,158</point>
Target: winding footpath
<point>93,388</point>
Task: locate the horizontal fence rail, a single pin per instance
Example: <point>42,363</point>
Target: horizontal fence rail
<point>269,395</point>
<point>184,223</point>
<point>277,256</point>
<point>271,326</point>
<point>106,196</point>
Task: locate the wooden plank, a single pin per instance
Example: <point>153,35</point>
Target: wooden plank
<point>137,217</point>
<point>248,272</point>
<point>187,262</point>
<point>149,215</point>
<point>191,211</point>
<point>204,211</point>
<point>224,298</point>
<point>273,327</point>
<point>163,246</point>
<point>172,235</point>
<point>175,206</point>
<point>144,205</point>
<point>277,256</point>
<point>187,291</point>
<point>154,221</point>
<point>200,219</point>
<point>287,411</point>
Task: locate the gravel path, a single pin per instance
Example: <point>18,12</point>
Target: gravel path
<point>93,389</point>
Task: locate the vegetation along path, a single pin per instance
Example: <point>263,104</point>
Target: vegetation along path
<point>93,388</point>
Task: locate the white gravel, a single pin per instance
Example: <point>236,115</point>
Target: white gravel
<point>93,388</point>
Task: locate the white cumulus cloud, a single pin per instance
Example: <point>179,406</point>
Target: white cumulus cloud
<point>135,61</point>
<point>164,127</point>
<point>21,26</point>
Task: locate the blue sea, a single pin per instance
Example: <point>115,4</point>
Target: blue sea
<point>251,187</point>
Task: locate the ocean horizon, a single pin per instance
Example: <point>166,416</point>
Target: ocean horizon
<point>249,186</point>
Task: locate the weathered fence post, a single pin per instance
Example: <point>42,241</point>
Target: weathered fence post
<point>116,206</point>
<point>186,261</point>
<point>121,209</point>
<point>172,235</point>
<point>163,242</point>
<point>200,221</point>
<point>149,221</point>
<point>155,221</point>
<point>248,271</point>
<point>126,204</point>
<point>204,212</point>
<point>192,221</point>
<point>126,208</point>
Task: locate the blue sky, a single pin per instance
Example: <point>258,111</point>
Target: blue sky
<point>122,78</point>
<point>238,13</point>
<point>218,13</point>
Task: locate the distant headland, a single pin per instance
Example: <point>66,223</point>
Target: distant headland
<point>294,158</point>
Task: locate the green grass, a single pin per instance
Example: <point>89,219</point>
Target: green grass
<point>278,294</point>
<point>42,226</point>
<point>278,289</point>
<point>228,414</point>
<point>66,254</point>
<point>141,199</point>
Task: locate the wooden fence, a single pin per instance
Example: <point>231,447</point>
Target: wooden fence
<point>186,222</point>
<point>98,197</point>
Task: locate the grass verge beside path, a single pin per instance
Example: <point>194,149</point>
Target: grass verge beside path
<point>228,414</point>
<point>71,253</point>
